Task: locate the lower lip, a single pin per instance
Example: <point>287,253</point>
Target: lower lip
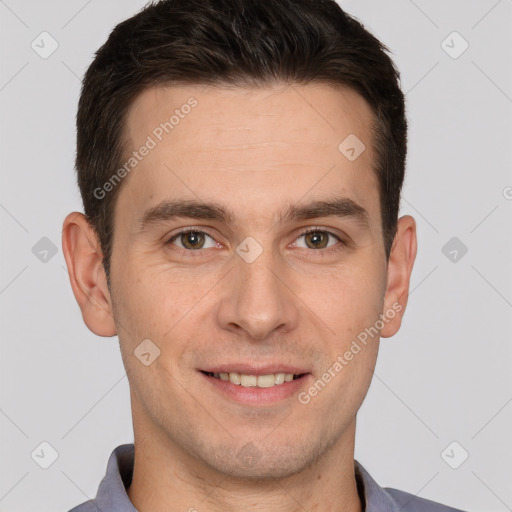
<point>254,395</point>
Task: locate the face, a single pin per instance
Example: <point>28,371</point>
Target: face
<point>248,290</point>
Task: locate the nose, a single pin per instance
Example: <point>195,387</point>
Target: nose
<point>257,299</point>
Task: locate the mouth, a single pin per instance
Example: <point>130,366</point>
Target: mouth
<point>259,381</point>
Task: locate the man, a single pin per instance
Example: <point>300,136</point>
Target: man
<point>240,164</point>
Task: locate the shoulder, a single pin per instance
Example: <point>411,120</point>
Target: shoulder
<point>417,504</point>
<point>379,499</point>
<point>88,506</point>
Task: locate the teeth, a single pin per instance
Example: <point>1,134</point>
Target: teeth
<point>234,378</point>
<point>265,381</point>
<point>248,380</point>
<point>260,381</point>
<point>280,377</point>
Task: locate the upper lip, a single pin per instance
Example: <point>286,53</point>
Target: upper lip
<point>252,369</point>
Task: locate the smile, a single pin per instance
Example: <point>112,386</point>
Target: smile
<point>260,381</point>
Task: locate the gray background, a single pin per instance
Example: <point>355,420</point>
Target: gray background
<point>445,377</point>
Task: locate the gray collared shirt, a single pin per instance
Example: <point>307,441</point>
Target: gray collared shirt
<point>112,497</point>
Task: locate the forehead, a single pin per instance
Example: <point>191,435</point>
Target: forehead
<point>223,118</point>
<point>248,148</point>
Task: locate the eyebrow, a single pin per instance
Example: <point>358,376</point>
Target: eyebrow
<point>342,207</point>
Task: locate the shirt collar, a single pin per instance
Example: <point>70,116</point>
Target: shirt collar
<point>112,497</point>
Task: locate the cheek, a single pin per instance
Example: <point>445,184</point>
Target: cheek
<point>141,309</point>
<point>351,300</point>
<point>157,301</point>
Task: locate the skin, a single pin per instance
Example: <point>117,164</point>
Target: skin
<point>254,151</point>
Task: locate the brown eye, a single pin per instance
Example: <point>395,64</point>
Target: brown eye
<point>191,240</point>
<point>318,239</point>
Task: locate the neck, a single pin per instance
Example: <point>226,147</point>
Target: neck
<point>165,478</point>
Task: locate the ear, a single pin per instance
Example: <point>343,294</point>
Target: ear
<point>401,261</point>
<point>84,259</point>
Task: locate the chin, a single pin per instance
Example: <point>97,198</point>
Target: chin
<point>260,462</point>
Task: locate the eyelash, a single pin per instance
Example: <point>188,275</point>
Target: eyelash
<point>309,230</point>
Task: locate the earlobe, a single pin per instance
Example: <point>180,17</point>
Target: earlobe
<point>86,273</point>
<point>400,264</point>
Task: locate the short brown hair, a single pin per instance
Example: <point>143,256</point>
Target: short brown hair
<point>234,43</point>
